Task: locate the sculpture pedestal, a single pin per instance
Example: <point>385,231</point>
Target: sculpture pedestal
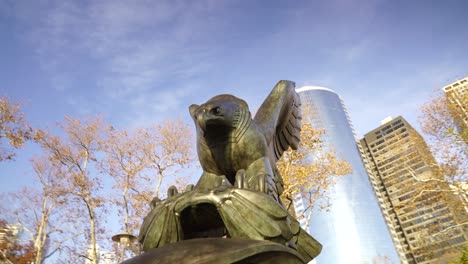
<point>220,250</point>
<point>225,211</point>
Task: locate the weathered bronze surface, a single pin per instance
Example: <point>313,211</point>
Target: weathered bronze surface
<point>237,196</point>
<point>224,211</point>
<point>230,141</point>
<point>220,251</point>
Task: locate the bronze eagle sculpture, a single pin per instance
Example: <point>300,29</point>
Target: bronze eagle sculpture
<point>236,199</point>
<point>232,145</point>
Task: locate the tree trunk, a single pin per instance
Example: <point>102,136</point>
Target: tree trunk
<point>158,186</point>
<point>41,233</point>
<point>92,223</point>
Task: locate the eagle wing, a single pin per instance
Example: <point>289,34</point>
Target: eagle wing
<point>279,118</point>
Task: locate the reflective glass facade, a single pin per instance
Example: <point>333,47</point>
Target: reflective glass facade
<point>353,229</point>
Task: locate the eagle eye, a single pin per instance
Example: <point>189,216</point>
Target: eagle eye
<point>216,110</point>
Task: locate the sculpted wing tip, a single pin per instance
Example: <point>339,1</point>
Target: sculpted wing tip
<point>280,117</point>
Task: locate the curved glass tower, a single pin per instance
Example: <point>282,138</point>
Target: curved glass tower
<point>353,229</point>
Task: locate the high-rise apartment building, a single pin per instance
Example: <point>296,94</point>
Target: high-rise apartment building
<point>421,213</point>
<point>457,96</point>
<point>352,229</point>
<point>9,236</point>
<point>104,257</point>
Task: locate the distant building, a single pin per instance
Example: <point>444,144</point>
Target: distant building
<point>422,216</point>
<point>104,257</point>
<point>9,235</point>
<point>457,95</point>
<point>352,230</point>
<point>108,257</point>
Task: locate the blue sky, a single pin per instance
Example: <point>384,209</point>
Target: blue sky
<point>137,62</point>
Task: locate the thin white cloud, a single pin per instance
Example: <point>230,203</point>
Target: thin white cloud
<point>133,46</point>
<point>402,95</point>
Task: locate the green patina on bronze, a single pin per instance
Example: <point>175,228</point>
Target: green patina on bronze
<point>229,140</point>
<point>237,196</point>
<point>220,251</point>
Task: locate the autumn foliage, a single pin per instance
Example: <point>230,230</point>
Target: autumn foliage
<point>14,130</point>
<point>310,171</point>
<point>87,173</point>
<point>446,136</point>
<point>92,170</point>
<point>92,176</point>
<point>11,251</point>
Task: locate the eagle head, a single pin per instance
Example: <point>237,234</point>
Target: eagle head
<point>220,113</point>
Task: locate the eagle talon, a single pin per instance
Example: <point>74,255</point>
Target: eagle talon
<point>240,180</point>
<point>189,188</point>
<point>154,202</point>
<point>222,181</point>
<point>261,178</point>
<point>172,191</point>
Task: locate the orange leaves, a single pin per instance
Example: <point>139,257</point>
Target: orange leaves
<point>169,149</point>
<point>140,160</point>
<point>75,169</point>
<point>71,157</point>
<point>11,250</point>
<point>310,170</point>
<point>444,125</point>
<point>13,128</point>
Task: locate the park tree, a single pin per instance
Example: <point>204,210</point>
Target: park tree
<point>445,131</point>
<point>125,161</point>
<point>310,171</point>
<point>72,186</point>
<point>170,151</point>
<point>447,136</point>
<point>463,258</point>
<point>140,161</point>
<point>53,226</point>
<point>36,213</point>
<point>73,156</point>
<point>14,130</point>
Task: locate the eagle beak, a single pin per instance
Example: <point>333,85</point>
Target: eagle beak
<point>199,115</point>
<point>201,120</point>
<point>202,124</point>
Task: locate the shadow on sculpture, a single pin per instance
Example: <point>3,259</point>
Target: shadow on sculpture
<point>233,214</point>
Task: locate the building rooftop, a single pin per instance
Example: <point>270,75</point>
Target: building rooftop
<point>455,84</point>
<point>312,87</point>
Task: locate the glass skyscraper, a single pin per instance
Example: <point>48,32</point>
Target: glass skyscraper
<point>352,230</point>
